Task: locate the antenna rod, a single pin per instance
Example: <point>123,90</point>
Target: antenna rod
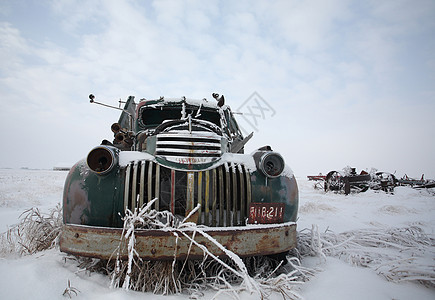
<point>92,97</point>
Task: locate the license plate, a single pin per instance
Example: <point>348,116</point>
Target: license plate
<point>266,213</point>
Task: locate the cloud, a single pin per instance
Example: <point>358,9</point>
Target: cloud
<point>338,73</point>
<point>12,48</point>
<point>309,26</point>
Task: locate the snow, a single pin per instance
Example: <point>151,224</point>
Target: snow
<point>245,159</point>
<point>195,102</point>
<point>45,275</point>
<point>340,280</point>
<point>366,210</point>
<point>125,157</point>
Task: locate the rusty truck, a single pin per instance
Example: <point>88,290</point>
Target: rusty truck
<point>182,154</point>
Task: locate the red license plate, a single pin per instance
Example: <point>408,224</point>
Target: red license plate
<point>266,213</point>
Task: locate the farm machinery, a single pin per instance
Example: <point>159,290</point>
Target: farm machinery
<point>349,181</point>
<point>416,183</point>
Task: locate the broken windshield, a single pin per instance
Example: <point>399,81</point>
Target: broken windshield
<point>154,116</point>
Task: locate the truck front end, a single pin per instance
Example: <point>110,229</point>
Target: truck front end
<point>186,158</point>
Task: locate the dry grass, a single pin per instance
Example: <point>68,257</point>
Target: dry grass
<point>233,275</point>
<point>230,276</point>
<point>35,232</point>
<point>398,254</point>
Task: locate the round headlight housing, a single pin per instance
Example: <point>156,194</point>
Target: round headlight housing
<point>271,164</point>
<point>101,159</point>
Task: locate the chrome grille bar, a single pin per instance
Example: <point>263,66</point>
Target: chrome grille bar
<point>150,181</point>
<point>207,199</point>
<point>242,195</point>
<point>234,188</point>
<point>189,148</point>
<point>200,202</point>
<point>157,189</point>
<point>223,193</point>
<point>190,192</point>
<point>188,144</point>
<point>248,190</point>
<point>213,199</point>
<point>189,152</point>
<point>134,185</point>
<point>228,193</point>
<point>127,200</point>
<point>142,184</point>
<point>173,192</point>
<point>221,197</point>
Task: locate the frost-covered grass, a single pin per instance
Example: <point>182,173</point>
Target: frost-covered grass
<point>398,254</point>
<point>365,246</point>
<point>35,232</point>
<point>231,275</point>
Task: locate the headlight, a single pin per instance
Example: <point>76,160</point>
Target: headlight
<point>271,164</point>
<point>101,159</point>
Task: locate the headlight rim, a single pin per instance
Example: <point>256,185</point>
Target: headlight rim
<point>112,153</point>
<point>262,162</point>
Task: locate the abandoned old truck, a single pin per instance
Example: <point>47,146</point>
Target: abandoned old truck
<point>185,155</point>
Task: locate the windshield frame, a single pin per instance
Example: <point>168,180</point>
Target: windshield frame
<point>175,112</point>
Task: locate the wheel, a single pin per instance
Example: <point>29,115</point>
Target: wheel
<point>384,181</point>
<point>334,181</point>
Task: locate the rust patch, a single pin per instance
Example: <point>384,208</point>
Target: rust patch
<point>102,242</point>
<point>76,208</point>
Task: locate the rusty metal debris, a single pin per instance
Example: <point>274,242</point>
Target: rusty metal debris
<point>416,183</point>
<point>349,181</point>
<point>155,244</point>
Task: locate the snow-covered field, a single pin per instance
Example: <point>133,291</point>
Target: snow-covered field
<point>45,275</point>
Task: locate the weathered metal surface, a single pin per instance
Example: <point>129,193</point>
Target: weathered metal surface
<point>349,181</point>
<point>184,161</point>
<point>383,181</point>
<point>235,190</point>
<point>352,182</point>
<point>266,213</point>
<point>224,195</point>
<point>214,198</point>
<point>92,199</point>
<point>207,198</point>
<point>142,186</point>
<point>190,192</point>
<point>221,196</point>
<point>282,189</point>
<point>319,181</point>
<point>187,148</point>
<point>229,194</point>
<point>103,242</point>
<point>316,177</point>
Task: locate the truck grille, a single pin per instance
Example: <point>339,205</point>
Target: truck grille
<point>189,149</point>
<point>223,193</point>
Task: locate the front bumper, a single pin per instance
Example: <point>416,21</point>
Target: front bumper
<point>157,244</point>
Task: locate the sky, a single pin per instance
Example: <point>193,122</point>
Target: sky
<point>327,84</point>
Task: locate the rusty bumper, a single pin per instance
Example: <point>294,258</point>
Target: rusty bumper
<point>251,240</point>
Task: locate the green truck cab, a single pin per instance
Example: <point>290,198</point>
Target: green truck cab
<point>184,155</point>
